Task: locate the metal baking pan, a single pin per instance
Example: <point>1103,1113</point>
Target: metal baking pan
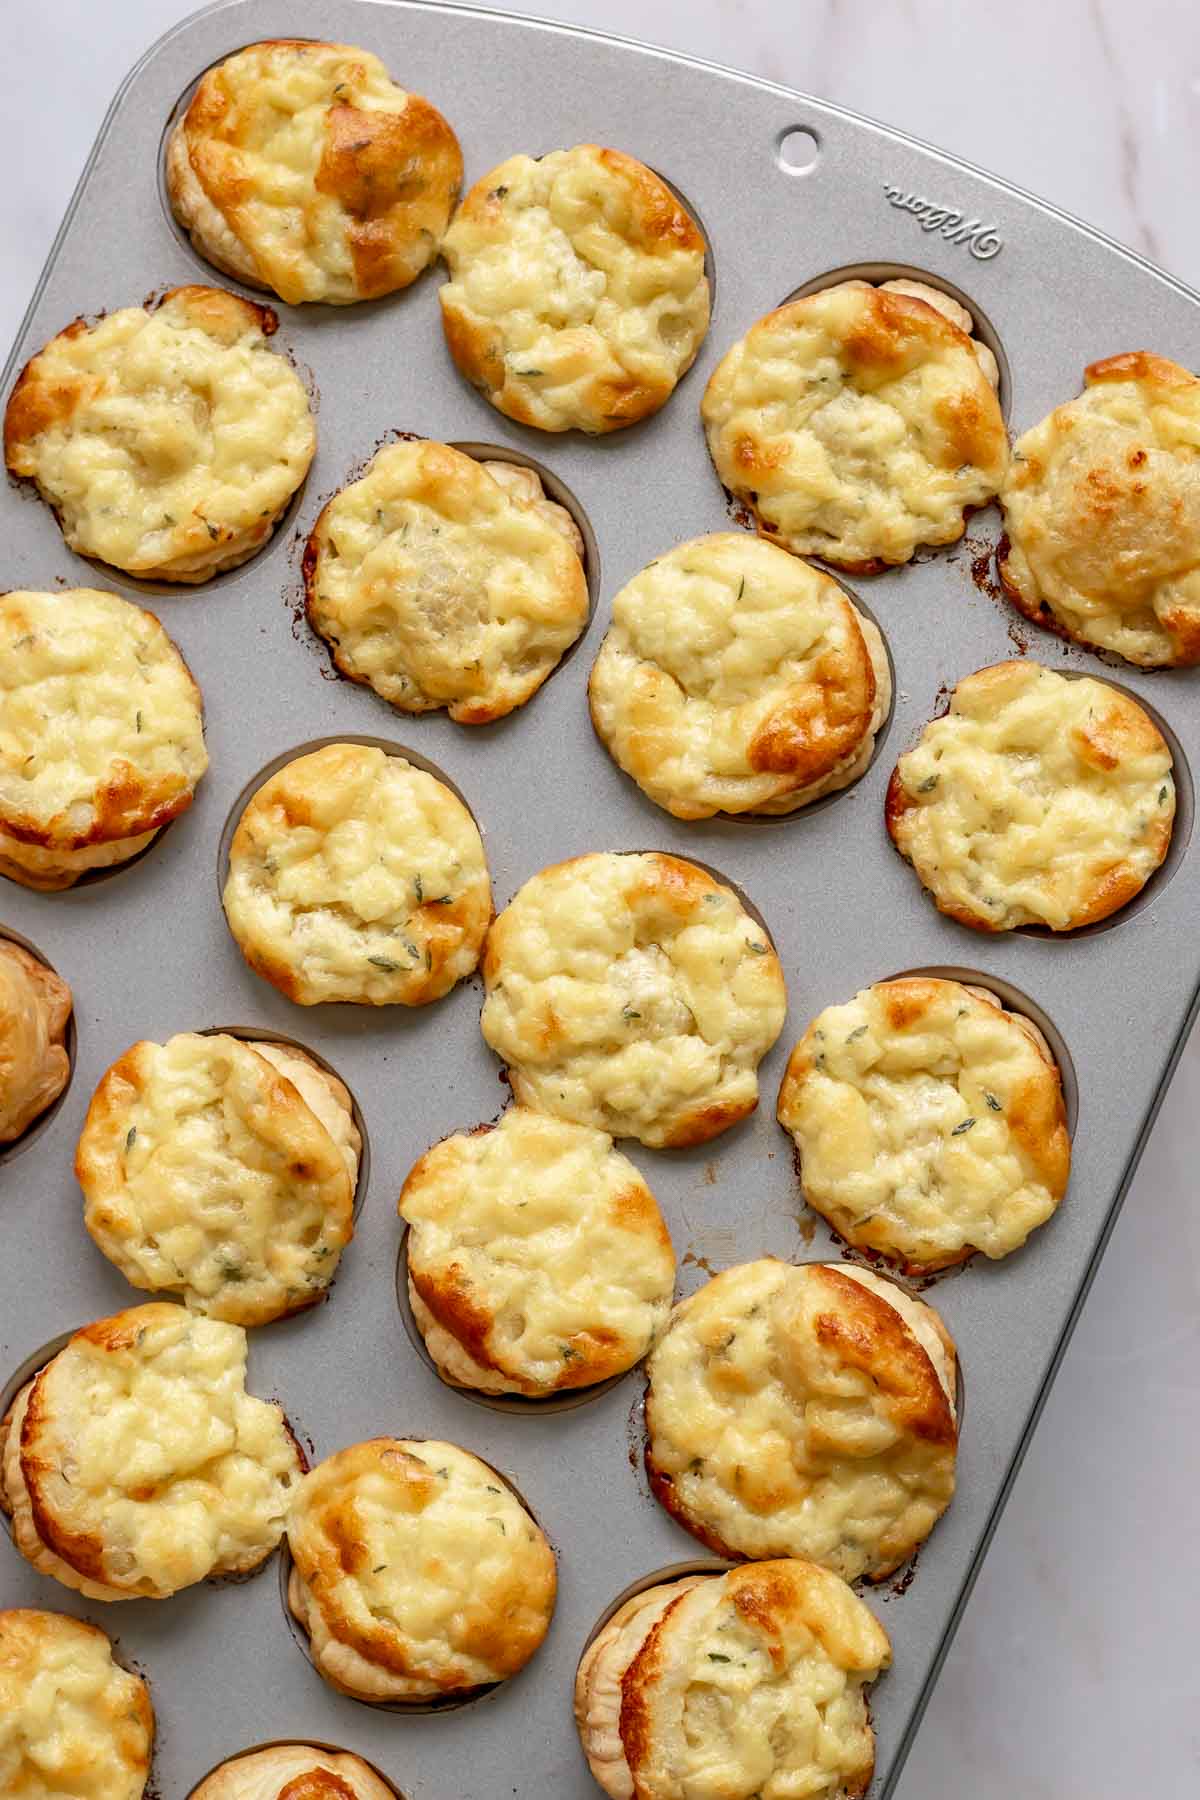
<point>147,952</point>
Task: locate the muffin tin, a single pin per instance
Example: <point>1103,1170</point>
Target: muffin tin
<point>147,951</point>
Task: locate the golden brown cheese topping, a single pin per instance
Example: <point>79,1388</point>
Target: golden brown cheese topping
<point>736,678</point>
<point>73,1724</point>
<point>804,1411</point>
<point>442,581</point>
<point>101,732</point>
<point>634,993</point>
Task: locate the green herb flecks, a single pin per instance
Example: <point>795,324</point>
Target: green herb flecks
<point>965,1125</point>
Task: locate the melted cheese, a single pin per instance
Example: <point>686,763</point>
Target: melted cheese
<point>1102,512</point>
<point>735,678</point>
<point>785,1417</point>
<point>205,1174</point>
<point>304,168</point>
<point>857,424</point>
<point>450,1584</point>
<point>929,1122</point>
<point>73,1725</point>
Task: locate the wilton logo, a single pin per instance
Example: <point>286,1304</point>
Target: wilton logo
<point>981,240</point>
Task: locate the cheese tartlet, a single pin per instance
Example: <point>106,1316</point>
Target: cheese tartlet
<point>1102,513</point>
<point>74,1725</point>
<point>355,876</point>
<point>101,734</point>
<point>304,168</point>
<point>223,1171</point>
<point>1034,800</point>
<point>632,992</point>
<point>441,581</point>
<point>35,1014</point>
<point>736,678</point>
<point>135,1463</point>
<point>168,438</point>
<point>929,1122</point>
<point>858,424</point>
<point>537,1257</point>
<point>577,295</point>
<point>416,1573</point>
<point>804,1411</point>
<point>749,1683</point>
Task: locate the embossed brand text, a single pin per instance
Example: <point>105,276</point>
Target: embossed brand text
<point>981,240</point>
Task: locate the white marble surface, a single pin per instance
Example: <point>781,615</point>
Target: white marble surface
<point>1076,1671</point>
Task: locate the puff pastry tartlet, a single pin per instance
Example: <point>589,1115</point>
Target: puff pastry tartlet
<point>736,678</point>
<point>804,1411</point>
<point>304,168</point>
<point>294,1772</point>
<point>634,993</point>
<point>749,1683</point>
<point>1102,513</point>
<point>135,1463</point>
<point>1034,800</point>
<point>101,734</point>
<point>355,876</point>
<point>858,423</point>
<point>577,294</point>
<point>74,1725</point>
<point>441,581</point>
<point>537,1257</point>
<point>221,1170</point>
<point>929,1122</point>
<point>168,438</point>
<point>35,1013</point>
<point>416,1573</point>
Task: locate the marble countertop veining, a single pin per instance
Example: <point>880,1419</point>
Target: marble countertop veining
<point>1075,1671</point>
